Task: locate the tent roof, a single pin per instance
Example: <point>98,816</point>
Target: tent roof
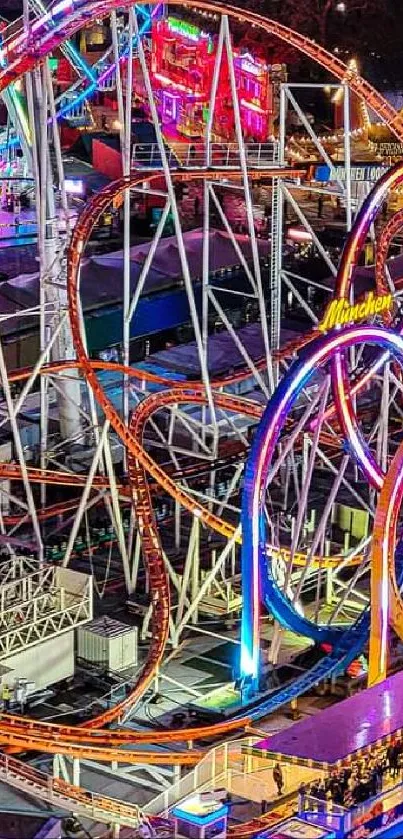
<point>348,727</point>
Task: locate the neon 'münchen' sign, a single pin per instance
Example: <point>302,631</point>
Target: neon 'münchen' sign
<point>340,312</point>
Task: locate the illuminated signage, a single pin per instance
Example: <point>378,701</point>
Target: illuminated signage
<point>390,149</point>
<point>359,174</point>
<point>188,30</point>
<point>73,187</point>
<point>251,106</point>
<point>340,312</point>
<point>252,65</point>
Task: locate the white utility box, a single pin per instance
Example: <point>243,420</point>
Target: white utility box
<point>109,643</point>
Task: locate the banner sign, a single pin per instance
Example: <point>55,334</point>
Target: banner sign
<point>390,149</point>
<point>364,173</point>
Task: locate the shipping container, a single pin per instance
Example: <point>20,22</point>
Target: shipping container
<point>109,643</point>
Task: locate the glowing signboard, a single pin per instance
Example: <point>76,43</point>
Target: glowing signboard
<point>340,312</point>
<point>73,187</point>
<point>252,65</point>
<point>188,30</point>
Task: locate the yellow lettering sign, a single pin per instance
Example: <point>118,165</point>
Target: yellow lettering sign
<point>340,312</point>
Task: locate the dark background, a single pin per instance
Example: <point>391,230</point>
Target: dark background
<point>369,30</point>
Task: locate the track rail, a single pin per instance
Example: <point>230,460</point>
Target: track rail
<point>62,794</point>
<point>386,597</point>
<point>139,459</point>
<point>341,386</point>
<point>388,232</point>
<point>21,56</point>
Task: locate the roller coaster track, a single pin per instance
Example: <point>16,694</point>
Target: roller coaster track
<point>388,232</point>
<point>186,393</point>
<point>59,793</point>
<point>386,583</point>
<point>28,734</point>
<point>12,733</point>
<point>140,460</point>
<point>344,652</point>
<point>94,76</point>
<point>12,472</point>
<point>19,57</point>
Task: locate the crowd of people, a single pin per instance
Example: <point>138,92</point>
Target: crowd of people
<point>361,780</point>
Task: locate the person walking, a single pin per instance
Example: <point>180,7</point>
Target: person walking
<point>394,763</point>
<point>302,792</point>
<point>378,772</point>
<point>278,778</point>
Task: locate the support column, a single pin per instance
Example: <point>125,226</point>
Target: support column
<point>248,199</point>
<point>76,771</point>
<point>195,568</point>
<point>276,255</point>
<point>53,275</point>
<point>347,154</point>
<point>177,223</point>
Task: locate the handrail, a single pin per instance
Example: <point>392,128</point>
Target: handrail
<point>198,155</point>
<point>56,790</point>
<point>212,768</point>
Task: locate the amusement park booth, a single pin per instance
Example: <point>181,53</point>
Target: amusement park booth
<point>357,729</point>
<point>201,816</point>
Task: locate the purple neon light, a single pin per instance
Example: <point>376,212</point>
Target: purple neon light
<point>324,350</point>
<point>342,392</point>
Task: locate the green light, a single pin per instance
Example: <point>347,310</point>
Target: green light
<point>53,64</point>
<point>184,28</point>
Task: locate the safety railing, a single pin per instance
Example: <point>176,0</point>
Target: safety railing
<point>233,766</point>
<point>29,610</point>
<point>58,791</point>
<point>341,820</point>
<point>211,772</point>
<point>323,814</point>
<point>384,802</point>
<point>42,605</point>
<point>16,568</point>
<point>26,587</point>
<point>197,155</point>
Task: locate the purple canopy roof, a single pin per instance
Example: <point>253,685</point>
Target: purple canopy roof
<point>167,260</point>
<point>350,726</point>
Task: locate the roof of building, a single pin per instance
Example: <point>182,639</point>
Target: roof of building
<point>348,727</point>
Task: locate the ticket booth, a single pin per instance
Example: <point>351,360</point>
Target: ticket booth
<point>201,816</point>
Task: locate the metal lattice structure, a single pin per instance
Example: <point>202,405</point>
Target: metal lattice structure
<point>141,447</point>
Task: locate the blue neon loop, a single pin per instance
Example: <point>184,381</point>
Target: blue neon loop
<point>263,588</point>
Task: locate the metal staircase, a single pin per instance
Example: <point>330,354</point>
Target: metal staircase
<point>65,796</point>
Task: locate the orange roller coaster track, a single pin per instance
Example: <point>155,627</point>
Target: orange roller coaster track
<point>140,462</point>
<point>17,64</point>
<point>131,436</point>
<point>388,232</point>
<point>158,580</point>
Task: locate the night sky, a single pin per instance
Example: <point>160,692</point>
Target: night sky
<point>371,30</point>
